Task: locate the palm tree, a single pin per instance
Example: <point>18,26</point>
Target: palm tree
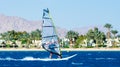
<point>108,26</point>
<point>12,35</point>
<point>95,35</point>
<point>72,36</point>
<point>36,35</point>
<point>114,32</point>
<point>80,40</point>
<point>118,36</point>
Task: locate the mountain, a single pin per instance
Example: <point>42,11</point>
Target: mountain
<point>84,30</point>
<point>8,23</point>
<point>16,23</point>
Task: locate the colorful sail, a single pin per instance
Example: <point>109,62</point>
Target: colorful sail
<point>49,35</point>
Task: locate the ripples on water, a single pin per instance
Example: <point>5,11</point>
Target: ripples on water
<point>40,59</point>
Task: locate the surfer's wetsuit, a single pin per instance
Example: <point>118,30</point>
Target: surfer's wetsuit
<point>52,48</point>
<point>59,55</point>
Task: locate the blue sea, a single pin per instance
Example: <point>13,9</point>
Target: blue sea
<point>40,59</point>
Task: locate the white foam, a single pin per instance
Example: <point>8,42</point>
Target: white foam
<point>30,59</point>
<point>37,59</point>
<point>46,59</point>
<point>8,58</point>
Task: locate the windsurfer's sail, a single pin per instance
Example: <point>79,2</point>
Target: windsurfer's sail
<point>49,36</point>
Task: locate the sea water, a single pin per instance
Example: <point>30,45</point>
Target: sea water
<point>40,59</point>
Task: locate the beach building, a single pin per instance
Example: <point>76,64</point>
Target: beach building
<point>36,43</point>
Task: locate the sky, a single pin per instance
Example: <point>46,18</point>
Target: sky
<point>67,14</point>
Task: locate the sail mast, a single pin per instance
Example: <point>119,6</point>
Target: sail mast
<point>53,24</point>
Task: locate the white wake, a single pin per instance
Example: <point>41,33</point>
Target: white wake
<point>36,59</point>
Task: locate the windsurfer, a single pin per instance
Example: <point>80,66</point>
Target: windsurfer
<point>49,35</point>
<point>52,47</point>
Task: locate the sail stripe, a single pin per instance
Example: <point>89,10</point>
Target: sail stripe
<point>46,18</point>
<point>48,26</point>
<point>49,36</point>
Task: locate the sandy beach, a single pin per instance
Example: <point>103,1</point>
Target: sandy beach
<point>63,49</point>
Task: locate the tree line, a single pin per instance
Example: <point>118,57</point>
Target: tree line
<point>74,39</point>
<point>24,37</point>
<point>98,37</point>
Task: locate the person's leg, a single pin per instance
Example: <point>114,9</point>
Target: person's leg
<point>50,55</point>
<point>60,56</point>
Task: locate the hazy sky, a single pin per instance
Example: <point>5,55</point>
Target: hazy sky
<point>66,13</point>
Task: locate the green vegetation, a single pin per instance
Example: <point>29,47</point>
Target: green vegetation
<point>97,36</point>
<point>114,32</point>
<point>79,41</point>
<point>93,38</point>
<point>23,37</point>
<point>108,26</point>
<point>72,36</point>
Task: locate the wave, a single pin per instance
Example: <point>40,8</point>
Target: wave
<point>30,59</point>
<point>35,59</point>
<point>8,58</point>
<point>39,59</point>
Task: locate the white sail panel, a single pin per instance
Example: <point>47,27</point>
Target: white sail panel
<point>49,36</point>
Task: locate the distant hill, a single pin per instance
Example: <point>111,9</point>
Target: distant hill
<point>17,23</point>
<point>8,23</point>
<point>84,30</point>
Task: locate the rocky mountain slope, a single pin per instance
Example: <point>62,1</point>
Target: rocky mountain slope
<point>8,23</point>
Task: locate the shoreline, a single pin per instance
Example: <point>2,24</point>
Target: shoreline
<point>63,49</point>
